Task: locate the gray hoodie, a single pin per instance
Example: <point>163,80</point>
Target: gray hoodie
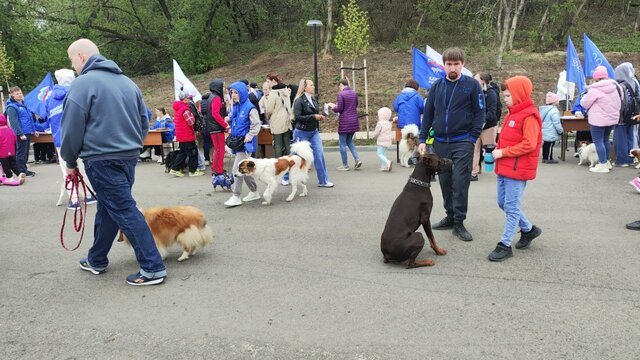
<point>625,72</point>
<point>104,115</point>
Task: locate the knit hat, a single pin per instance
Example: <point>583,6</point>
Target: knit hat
<point>600,73</point>
<point>64,76</point>
<point>551,98</point>
<point>183,95</point>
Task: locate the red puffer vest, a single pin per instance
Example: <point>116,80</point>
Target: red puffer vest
<point>523,167</point>
<point>184,132</point>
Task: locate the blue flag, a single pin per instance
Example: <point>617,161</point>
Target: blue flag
<point>36,99</point>
<point>574,67</point>
<point>594,58</point>
<point>426,71</point>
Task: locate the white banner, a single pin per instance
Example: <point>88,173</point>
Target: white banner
<point>180,82</point>
<point>438,57</point>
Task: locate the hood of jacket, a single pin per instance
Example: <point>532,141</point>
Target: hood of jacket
<point>216,86</point>
<point>624,72</point>
<point>3,120</point>
<point>241,88</point>
<point>521,88</point>
<point>407,94</point>
<point>99,62</point>
<point>60,91</point>
<point>606,86</point>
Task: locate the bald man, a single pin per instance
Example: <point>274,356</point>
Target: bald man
<point>104,122</point>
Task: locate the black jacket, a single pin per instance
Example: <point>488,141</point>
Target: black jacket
<point>216,88</point>
<point>305,114</point>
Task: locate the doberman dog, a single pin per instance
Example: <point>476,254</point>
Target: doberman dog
<point>412,208</point>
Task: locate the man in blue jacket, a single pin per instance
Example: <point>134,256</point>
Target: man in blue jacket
<point>104,122</point>
<point>455,111</point>
<point>21,122</point>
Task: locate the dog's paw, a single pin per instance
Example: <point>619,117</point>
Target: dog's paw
<point>303,194</point>
<point>266,203</point>
<point>290,197</point>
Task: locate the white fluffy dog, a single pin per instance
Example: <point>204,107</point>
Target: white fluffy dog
<point>271,171</point>
<point>408,143</point>
<point>588,154</point>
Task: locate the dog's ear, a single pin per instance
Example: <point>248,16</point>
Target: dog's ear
<point>251,165</point>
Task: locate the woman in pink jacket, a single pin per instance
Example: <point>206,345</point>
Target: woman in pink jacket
<point>602,102</point>
<point>9,173</point>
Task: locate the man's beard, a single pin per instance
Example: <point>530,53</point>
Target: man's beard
<point>453,75</point>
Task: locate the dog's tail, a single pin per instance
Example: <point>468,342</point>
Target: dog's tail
<point>195,237</point>
<point>303,149</point>
<point>410,131</point>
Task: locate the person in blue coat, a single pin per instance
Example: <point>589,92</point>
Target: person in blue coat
<point>551,127</point>
<point>409,105</point>
<point>21,122</point>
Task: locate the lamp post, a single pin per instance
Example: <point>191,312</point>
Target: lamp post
<point>315,24</point>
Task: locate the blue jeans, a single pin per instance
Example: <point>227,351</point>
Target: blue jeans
<point>22,153</point>
<point>600,136</point>
<point>509,199</point>
<point>382,155</point>
<point>346,140</point>
<point>318,152</point>
<point>116,210</point>
<point>624,140</point>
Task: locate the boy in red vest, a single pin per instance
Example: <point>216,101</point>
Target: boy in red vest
<point>516,155</point>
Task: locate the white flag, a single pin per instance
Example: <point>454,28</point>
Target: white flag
<point>180,82</point>
<point>438,57</point>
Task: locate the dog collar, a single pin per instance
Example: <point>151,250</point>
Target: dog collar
<point>419,182</point>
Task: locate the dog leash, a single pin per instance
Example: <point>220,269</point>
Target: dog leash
<point>75,180</point>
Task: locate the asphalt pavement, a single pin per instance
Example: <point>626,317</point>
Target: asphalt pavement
<point>305,280</point>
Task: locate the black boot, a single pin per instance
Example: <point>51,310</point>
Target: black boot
<point>501,253</point>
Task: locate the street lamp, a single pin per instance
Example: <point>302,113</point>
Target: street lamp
<point>315,24</point>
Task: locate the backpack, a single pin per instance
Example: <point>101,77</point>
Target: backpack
<point>630,103</point>
<point>495,88</point>
<point>198,124</point>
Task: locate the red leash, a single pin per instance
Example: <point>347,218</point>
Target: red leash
<point>75,180</point>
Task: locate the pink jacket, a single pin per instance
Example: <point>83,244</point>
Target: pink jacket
<point>602,102</point>
<point>7,139</point>
<point>384,133</point>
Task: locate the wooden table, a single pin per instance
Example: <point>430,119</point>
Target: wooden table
<point>42,138</point>
<point>264,139</point>
<point>571,123</point>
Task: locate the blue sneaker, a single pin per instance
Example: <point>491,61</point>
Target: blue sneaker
<point>91,200</point>
<point>138,280</point>
<point>84,265</point>
<point>73,206</point>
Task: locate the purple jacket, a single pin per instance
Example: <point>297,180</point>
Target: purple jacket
<point>347,106</point>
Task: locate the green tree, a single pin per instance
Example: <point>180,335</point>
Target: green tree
<point>352,38</point>
<point>6,65</point>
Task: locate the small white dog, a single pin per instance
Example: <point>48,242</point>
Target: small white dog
<point>588,154</point>
<point>271,171</point>
<point>408,143</point>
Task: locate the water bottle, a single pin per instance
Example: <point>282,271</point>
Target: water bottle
<point>488,158</point>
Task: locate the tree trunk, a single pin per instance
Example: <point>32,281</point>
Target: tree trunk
<point>505,31</point>
<point>426,7</point>
<point>329,37</point>
<point>499,22</point>
<point>514,23</point>
<point>637,23</point>
<point>565,29</point>
<point>544,25</point>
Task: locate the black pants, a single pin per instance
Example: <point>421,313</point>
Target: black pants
<point>188,150</point>
<point>547,150</point>
<point>9,166</point>
<point>43,152</point>
<point>582,136</point>
<point>455,184</point>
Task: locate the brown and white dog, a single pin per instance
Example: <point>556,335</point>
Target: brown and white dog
<point>408,144</point>
<point>271,171</point>
<point>184,225</point>
<point>636,155</point>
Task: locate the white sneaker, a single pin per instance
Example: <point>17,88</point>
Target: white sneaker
<point>146,154</point>
<point>251,196</point>
<point>234,200</point>
<point>329,184</point>
<point>160,160</point>
<point>600,168</point>
<point>609,166</point>
<point>284,182</point>
<point>342,168</point>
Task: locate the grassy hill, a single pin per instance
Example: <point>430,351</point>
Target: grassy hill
<point>388,70</point>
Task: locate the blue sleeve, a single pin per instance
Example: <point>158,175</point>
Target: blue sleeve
<point>14,122</point>
<point>395,104</point>
<point>427,115</point>
<point>478,105</point>
<point>555,120</point>
<point>421,105</point>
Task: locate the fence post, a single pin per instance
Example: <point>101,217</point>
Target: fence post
<point>341,70</point>
<point>366,96</point>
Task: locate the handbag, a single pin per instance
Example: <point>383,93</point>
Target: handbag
<point>235,143</point>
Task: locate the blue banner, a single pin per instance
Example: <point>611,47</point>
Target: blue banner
<point>574,67</point>
<point>426,71</point>
<point>594,58</point>
<point>36,99</point>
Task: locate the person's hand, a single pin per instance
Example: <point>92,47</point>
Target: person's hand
<point>422,148</point>
<point>319,117</point>
<point>227,129</point>
<point>248,138</point>
<point>331,105</point>
<point>23,137</point>
<point>395,119</point>
<point>497,154</point>
<point>36,133</point>
<point>70,171</point>
<point>226,118</point>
